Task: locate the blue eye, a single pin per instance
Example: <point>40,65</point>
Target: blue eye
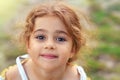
<point>42,37</point>
<point>61,39</point>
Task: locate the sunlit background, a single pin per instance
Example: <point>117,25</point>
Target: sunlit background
<point>103,62</point>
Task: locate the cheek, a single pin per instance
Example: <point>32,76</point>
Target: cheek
<point>67,51</point>
<point>33,48</point>
<point>34,53</point>
<point>69,47</point>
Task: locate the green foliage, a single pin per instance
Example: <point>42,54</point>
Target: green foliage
<point>99,17</point>
<point>114,7</point>
<point>112,50</point>
<point>14,52</point>
<point>114,18</point>
<point>94,65</point>
<point>108,39</point>
<point>96,77</point>
<point>4,37</point>
<point>109,35</point>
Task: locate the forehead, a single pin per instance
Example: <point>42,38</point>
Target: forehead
<point>49,22</point>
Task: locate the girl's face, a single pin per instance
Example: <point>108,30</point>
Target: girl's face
<point>50,45</point>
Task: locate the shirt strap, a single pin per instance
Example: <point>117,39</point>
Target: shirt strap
<point>82,73</point>
<point>20,67</point>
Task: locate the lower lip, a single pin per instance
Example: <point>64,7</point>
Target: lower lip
<point>49,56</point>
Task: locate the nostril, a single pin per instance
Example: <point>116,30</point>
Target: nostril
<point>50,46</point>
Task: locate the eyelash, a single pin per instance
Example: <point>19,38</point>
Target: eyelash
<point>61,39</point>
<point>58,39</point>
<point>40,37</point>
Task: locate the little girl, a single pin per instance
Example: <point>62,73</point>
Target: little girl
<point>53,38</point>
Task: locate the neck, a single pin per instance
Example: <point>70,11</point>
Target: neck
<point>45,74</point>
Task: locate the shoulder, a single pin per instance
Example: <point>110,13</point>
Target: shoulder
<point>10,73</point>
<point>82,72</point>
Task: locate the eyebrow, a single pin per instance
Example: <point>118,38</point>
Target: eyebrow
<point>61,32</point>
<point>57,31</point>
<point>41,30</point>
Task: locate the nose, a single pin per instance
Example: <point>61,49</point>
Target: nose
<point>50,44</point>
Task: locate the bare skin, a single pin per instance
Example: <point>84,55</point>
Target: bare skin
<point>71,73</point>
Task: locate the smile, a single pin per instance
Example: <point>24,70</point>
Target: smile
<point>49,56</point>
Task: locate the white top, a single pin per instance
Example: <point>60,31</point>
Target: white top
<point>24,76</point>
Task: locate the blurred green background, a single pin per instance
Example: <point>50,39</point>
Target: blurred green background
<point>103,62</point>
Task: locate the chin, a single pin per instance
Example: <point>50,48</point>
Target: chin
<point>48,66</point>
